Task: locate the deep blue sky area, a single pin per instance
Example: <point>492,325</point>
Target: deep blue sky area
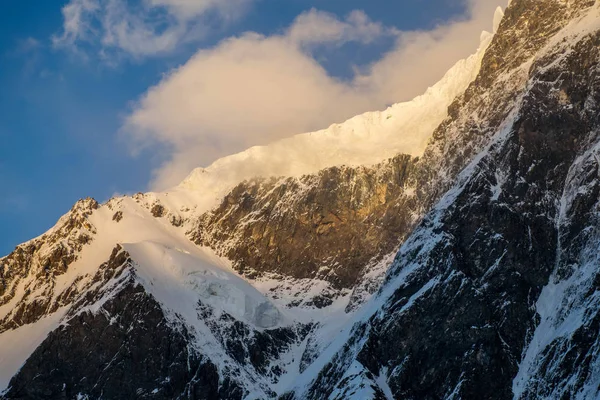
<point>60,113</point>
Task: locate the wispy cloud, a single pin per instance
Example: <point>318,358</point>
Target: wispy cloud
<point>319,28</point>
<point>30,51</point>
<point>252,89</point>
<point>140,28</point>
<point>27,46</point>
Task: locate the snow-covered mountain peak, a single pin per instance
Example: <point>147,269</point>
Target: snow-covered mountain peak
<point>65,266</point>
<point>498,15</point>
<point>293,287</point>
<point>365,139</point>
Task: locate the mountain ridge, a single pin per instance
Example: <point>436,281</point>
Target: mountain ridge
<point>258,297</point>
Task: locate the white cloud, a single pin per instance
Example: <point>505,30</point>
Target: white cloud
<point>77,20</point>
<point>27,45</point>
<point>316,27</point>
<point>253,89</point>
<point>140,28</point>
<point>187,9</point>
<point>247,90</point>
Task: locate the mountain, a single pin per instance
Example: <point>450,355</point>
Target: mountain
<point>446,248</point>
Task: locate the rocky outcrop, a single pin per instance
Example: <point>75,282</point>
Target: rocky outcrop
<point>31,266</point>
<point>139,350</point>
<point>127,351</point>
<point>327,226</point>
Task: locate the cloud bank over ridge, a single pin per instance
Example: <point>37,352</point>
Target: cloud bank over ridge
<point>252,89</point>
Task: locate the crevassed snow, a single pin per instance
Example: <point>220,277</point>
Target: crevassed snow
<point>169,265</point>
<point>363,140</point>
<point>180,279</point>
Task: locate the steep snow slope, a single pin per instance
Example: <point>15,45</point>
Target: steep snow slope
<point>171,268</point>
<point>363,140</point>
<point>17,344</point>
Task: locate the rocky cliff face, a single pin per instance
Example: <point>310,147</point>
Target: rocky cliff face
<point>492,293</point>
<point>328,226</point>
<point>24,274</point>
<point>468,304</point>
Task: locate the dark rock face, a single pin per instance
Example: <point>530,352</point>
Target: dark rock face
<point>458,315</point>
<point>126,347</point>
<point>127,351</point>
<point>251,347</point>
<point>134,354</point>
<point>327,226</point>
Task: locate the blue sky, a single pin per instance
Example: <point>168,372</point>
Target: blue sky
<point>64,105</point>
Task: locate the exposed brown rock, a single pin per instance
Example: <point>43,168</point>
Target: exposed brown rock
<point>118,216</point>
<point>46,257</point>
<point>327,226</point>
<point>158,211</point>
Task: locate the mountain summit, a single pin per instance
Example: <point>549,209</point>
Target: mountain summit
<point>446,248</point>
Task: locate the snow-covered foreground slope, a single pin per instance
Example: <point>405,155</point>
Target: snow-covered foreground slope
<point>180,276</point>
